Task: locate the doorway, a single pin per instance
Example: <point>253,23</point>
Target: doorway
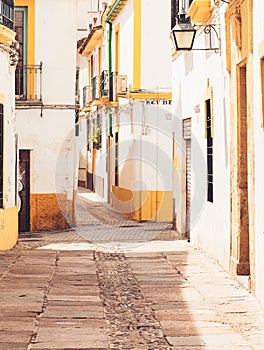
<point>24,190</point>
<point>240,257</point>
<point>187,134</point>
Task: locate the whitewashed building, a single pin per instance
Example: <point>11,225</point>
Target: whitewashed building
<point>8,137</point>
<point>130,75</point>
<point>257,141</point>
<point>201,125</point>
<point>46,109</point>
<point>218,101</point>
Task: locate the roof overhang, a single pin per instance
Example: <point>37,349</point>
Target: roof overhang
<point>91,41</point>
<point>115,10</point>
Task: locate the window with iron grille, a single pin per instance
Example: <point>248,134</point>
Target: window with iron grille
<point>1,152</point>
<point>88,133</point>
<point>174,11</point>
<point>21,35</point>
<point>28,77</point>
<point>209,136</point>
<point>7,13</point>
<point>175,8</point>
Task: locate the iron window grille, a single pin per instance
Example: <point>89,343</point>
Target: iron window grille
<point>28,82</point>
<point>7,13</point>
<point>104,83</point>
<point>210,183</point>
<point>95,87</point>
<point>87,95</point>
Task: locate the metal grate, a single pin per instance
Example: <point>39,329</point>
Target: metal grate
<point>104,83</point>
<point>7,13</point>
<point>28,82</point>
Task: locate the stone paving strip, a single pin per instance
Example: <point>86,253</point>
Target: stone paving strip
<point>156,296</point>
<point>74,316</point>
<point>131,321</point>
<point>23,290</point>
<point>197,304</point>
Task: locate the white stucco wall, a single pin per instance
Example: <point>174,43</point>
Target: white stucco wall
<point>55,46</point>
<point>51,141</point>
<point>7,94</point>
<point>126,21</point>
<point>209,221</point>
<point>145,145</point>
<point>51,137</point>
<point>258,23</point>
<point>156,45</point>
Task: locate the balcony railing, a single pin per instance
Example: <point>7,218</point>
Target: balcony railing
<point>28,83</point>
<point>112,86</point>
<point>95,88</point>
<point>7,13</point>
<point>87,95</point>
<point>104,83</point>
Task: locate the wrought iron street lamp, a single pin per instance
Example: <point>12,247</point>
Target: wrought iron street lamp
<point>183,33</point>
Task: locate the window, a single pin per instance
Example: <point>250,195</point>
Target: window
<point>175,8</point>
<point>1,152</point>
<point>97,130</point>
<point>28,76</point>
<point>117,48</point>
<point>174,11</point>
<point>99,125</point>
<point>88,133</point>
<point>209,137</point>
<point>94,78</point>
<point>7,13</point>
<point>21,35</point>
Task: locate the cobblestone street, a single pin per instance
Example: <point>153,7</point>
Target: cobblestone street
<point>64,290</point>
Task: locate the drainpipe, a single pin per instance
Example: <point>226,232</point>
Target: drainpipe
<point>110,69</point>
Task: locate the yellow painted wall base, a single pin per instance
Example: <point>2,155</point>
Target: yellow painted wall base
<point>143,205</point>
<point>51,211</point>
<point>8,228</point>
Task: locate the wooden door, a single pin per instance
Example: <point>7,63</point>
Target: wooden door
<point>24,190</point>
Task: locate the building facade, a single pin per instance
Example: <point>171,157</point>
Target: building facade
<point>130,164</point>
<point>8,137</point>
<point>46,112</point>
<point>258,140</point>
<point>219,129</point>
<point>201,161</point>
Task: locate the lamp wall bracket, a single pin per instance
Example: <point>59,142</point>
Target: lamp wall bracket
<point>208,30</point>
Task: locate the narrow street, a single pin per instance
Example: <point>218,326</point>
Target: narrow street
<point>112,283</point>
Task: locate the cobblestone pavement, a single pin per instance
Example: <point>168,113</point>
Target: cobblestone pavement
<point>154,296</point>
<point>131,322</point>
<point>98,222</point>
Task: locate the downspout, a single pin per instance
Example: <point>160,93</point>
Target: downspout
<point>110,69</point>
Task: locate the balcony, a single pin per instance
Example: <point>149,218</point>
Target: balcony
<point>28,84</point>
<point>87,95</point>
<point>95,88</point>
<point>200,11</point>
<point>104,83</point>
<point>7,13</point>
<point>112,86</point>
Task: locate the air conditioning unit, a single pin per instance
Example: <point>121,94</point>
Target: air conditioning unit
<point>121,83</point>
